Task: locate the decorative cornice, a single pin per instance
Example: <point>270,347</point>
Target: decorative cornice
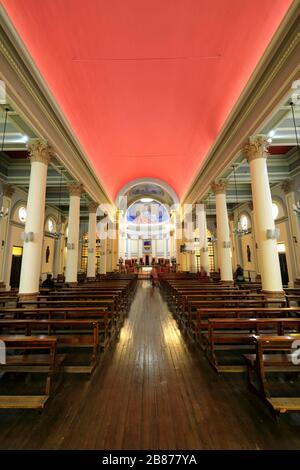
<point>257,147</point>
<point>8,190</point>
<point>40,151</point>
<point>219,187</point>
<point>75,189</point>
<point>287,186</point>
<point>92,207</point>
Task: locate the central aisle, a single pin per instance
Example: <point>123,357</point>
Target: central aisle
<point>150,392</point>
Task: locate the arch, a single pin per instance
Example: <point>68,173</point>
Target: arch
<point>147,181</point>
<point>15,209</point>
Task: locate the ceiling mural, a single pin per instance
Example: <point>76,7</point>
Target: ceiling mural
<point>141,213</point>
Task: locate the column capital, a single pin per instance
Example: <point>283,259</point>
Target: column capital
<point>8,190</point>
<point>92,207</point>
<point>257,147</point>
<point>219,187</point>
<point>75,189</point>
<point>40,151</point>
<point>287,186</point>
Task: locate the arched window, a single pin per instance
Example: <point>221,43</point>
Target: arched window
<point>22,214</point>
<point>275,210</point>
<point>50,225</point>
<point>244,222</point>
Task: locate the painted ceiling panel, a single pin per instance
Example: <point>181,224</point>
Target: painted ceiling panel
<point>146,86</point>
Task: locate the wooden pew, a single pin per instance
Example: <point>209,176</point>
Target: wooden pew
<point>199,323</point>
<point>72,336</point>
<point>235,335</point>
<point>108,327</point>
<point>273,354</point>
<point>191,313</point>
<point>49,363</point>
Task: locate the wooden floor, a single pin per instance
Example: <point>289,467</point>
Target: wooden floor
<point>152,391</point>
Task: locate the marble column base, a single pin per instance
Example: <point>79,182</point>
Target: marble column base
<point>30,296</point>
<point>273,295</point>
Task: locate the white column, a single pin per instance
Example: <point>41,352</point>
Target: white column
<point>109,255</point>
<point>121,233</point>
<point>103,249</point>
<point>165,248</point>
<point>91,265</point>
<point>294,231</point>
<point>192,261</point>
<point>140,248</point>
<point>4,226</point>
<point>40,155</point>
<point>73,233</point>
<point>153,247</point>
<point>56,258</point>
<point>203,245</point>
<point>223,235</point>
<point>256,153</point>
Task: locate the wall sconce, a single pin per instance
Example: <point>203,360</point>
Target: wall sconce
<point>226,244</point>
<point>204,250</point>
<point>273,234</point>
<point>27,237</point>
<point>71,246</point>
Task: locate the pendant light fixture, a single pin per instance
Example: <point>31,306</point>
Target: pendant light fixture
<point>292,104</point>
<point>3,211</point>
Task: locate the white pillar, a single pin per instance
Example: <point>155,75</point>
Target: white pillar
<point>153,248</point>
<point>140,248</point>
<point>56,258</point>
<point>121,233</point>
<point>91,265</point>
<point>223,235</point>
<point>8,191</point>
<point>75,190</point>
<point>256,153</point>
<point>165,248</point>
<point>103,249</point>
<point>203,245</point>
<point>40,155</point>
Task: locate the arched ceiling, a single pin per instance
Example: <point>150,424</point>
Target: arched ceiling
<point>146,86</point>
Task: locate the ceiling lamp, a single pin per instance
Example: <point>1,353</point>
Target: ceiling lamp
<point>146,199</point>
<point>3,211</point>
<point>238,230</point>
<point>292,104</point>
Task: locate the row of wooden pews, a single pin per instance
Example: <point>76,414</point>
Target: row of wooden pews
<point>63,331</point>
<point>240,330</point>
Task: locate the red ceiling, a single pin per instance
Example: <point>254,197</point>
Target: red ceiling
<point>146,85</point>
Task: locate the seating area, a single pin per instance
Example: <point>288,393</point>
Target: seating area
<point>67,330</point>
<point>242,331</point>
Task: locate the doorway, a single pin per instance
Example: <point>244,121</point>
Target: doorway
<point>147,260</point>
<point>16,264</point>
<point>283,263</point>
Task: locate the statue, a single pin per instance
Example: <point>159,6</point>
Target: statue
<point>47,254</point>
<point>248,254</point>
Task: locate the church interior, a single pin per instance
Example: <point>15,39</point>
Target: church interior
<point>149,225</point>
